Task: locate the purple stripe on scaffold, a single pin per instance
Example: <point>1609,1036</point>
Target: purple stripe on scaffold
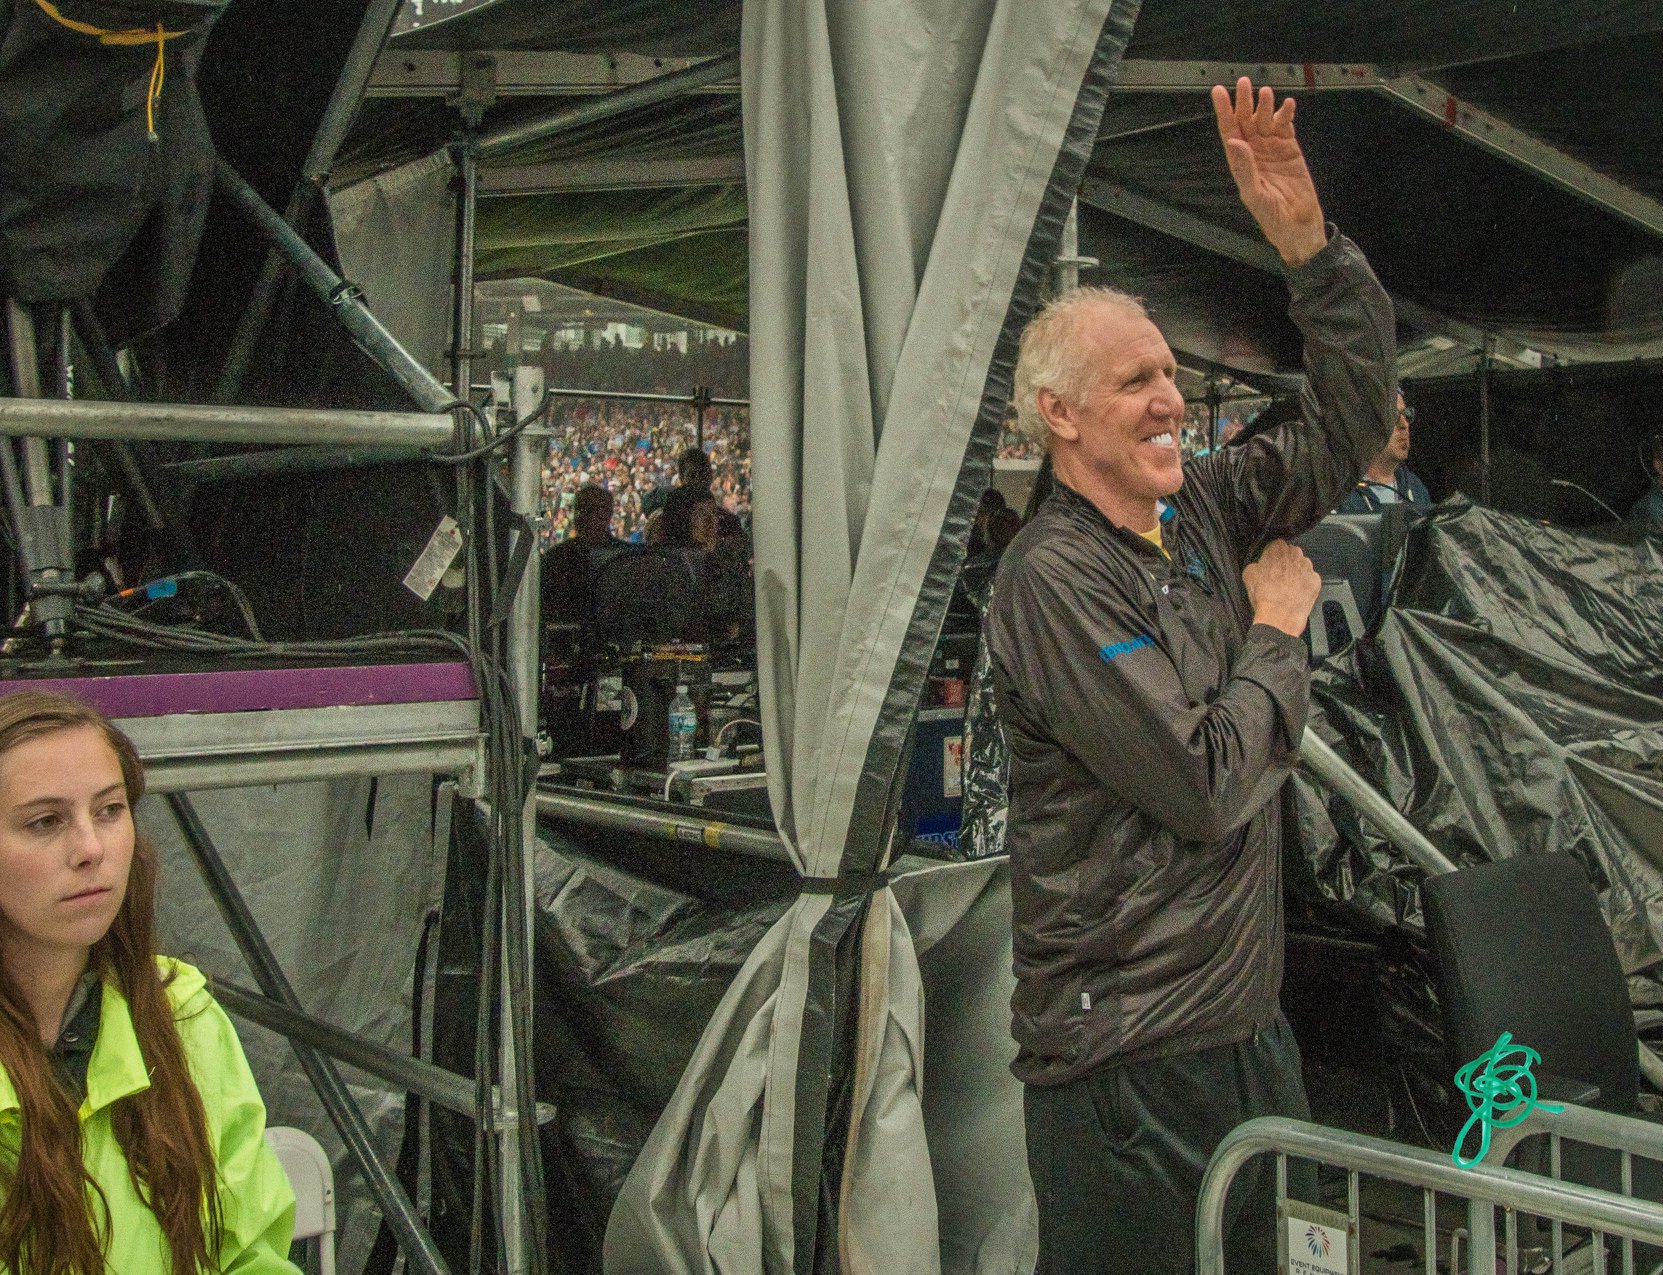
<point>249,690</point>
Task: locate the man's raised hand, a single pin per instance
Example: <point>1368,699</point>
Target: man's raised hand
<point>1269,169</point>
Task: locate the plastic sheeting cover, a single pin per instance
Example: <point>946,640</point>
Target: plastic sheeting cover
<point>1511,702</point>
<point>635,942</point>
<point>339,877</point>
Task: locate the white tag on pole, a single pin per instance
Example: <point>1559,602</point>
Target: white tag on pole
<point>528,390</point>
<point>441,551</point>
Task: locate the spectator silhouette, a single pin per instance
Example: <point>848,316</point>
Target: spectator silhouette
<point>568,568</point>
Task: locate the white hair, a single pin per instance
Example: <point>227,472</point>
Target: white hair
<point>1050,357</point>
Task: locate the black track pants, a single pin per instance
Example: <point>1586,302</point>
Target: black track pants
<point>1117,1157</point>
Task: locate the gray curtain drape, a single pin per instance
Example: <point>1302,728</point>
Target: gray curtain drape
<point>396,237</point>
<point>909,165</point>
<point>340,877</point>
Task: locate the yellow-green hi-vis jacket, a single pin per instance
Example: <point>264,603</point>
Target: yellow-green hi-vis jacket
<point>255,1197</point>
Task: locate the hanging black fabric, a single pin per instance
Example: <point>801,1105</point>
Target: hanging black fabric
<point>105,160</point>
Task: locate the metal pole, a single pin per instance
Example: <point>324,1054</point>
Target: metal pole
<point>1068,250</point>
<point>343,298</point>
<point>53,418</point>
<point>1329,767</point>
<point>350,86</point>
<point>43,529</point>
<point>65,388</point>
<point>37,475</point>
<point>416,1244</point>
<point>424,1079</point>
<point>308,765</point>
<point>1486,360</point>
<point>647,93</point>
<point>706,834</point>
<point>136,469</point>
<point>1066,271</point>
<point>332,129</point>
<point>16,505</point>
<point>517,896</point>
<point>701,404</point>
<point>467,207</point>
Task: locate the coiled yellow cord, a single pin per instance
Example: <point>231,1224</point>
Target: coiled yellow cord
<point>128,38</point>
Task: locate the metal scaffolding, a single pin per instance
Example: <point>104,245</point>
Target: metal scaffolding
<point>190,752</point>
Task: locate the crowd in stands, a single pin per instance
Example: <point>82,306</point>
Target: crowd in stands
<point>630,448</point>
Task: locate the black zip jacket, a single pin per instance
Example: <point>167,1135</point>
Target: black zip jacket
<point>1152,724</point>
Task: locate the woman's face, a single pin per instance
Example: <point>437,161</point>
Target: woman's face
<point>66,844</point>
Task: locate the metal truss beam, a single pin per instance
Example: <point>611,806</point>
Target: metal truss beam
<point>611,174</point>
<point>651,92</point>
<point>1149,75</point>
<point>1528,152</point>
<point>1421,95</point>
<point>522,73</point>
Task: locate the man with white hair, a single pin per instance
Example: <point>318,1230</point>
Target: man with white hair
<point>1153,686</point>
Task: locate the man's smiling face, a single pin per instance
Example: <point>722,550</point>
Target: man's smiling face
<point>1123,429</point>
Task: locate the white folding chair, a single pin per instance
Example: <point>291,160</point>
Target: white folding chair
<point>313,1180</point>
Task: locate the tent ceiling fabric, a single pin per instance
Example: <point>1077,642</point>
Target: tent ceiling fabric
<point>1407,33</point>
<point>1470,244</point>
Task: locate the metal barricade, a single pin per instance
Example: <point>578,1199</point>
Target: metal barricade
<point>1627,1136</point>
<point>1485,1188</point>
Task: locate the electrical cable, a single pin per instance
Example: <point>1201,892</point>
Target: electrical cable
<point>738,721</point>
<point>230,586</point>
<point>106,621</point>
<point>486,1173</point>
<point>1565,482</point>
<point>508,435</point>
<point>506,797</point>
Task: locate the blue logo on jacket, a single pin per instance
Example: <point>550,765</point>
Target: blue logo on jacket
<point>1121,648</point>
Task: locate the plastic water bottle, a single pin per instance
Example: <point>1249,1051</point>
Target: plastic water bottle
<point>684,725</point>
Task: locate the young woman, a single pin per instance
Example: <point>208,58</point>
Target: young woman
<point>131,1133</point>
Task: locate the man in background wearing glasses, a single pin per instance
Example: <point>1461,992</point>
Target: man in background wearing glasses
<point>1388,480</point>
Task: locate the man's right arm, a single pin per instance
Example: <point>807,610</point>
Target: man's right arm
<point>1284,482</point>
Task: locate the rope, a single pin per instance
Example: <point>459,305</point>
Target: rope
<point>129,38</point>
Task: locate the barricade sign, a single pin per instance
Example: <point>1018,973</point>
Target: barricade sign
<point>1314,1240</point>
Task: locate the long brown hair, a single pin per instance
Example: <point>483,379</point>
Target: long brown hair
<point>46,1225</point>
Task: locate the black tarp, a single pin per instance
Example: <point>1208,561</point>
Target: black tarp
<point>1509,702</point>
<point>635,942</point>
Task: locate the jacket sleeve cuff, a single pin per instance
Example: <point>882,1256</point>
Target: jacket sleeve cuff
<point>1310,274</point>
